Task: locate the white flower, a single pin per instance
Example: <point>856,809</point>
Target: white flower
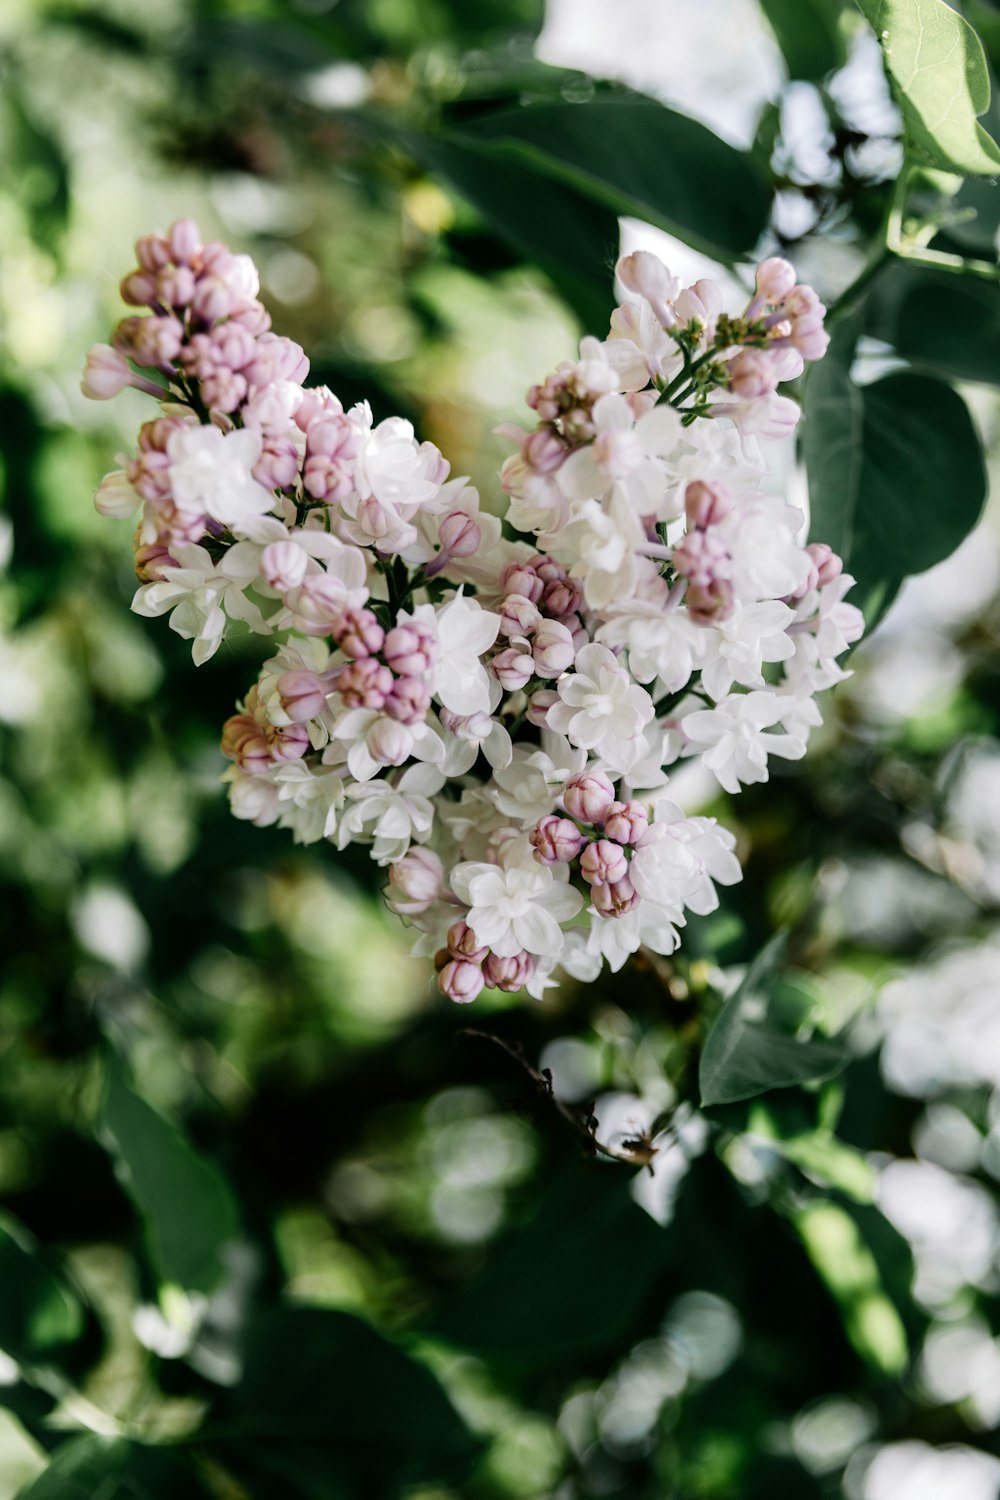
<point>599,545</point>
<point>678,859</point>
<point>373,736</point>
<point>738,646</point>
<point>760,536</point>
<point>395,468</point>
<point>665,645</point>
<point>602,709</point>
<point>464,631</point>
<point>252,798</point>
<point>526,789</point>
<point>202,594</point>
<point>466,735</point>
<point>517,905</point>
<point>731,741</point>
<point>393,817</point>
<point>309,799</point>
<point>625,452</point>
<point>210,474</point>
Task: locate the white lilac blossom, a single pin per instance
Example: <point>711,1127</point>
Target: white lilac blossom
<point>496,717</point>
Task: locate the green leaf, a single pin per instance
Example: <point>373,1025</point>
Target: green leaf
<point>41,1316</point>
<point>571,238</point>
<point>896,473</point>
<point>638,157</point>
<point>331,1405</point>
<point>835,1246</point>
<point>535,1296</point>
<point>189,1211</point>
<point>809,35</point>
<point>749,1051</point>
<point>940,75</point>
<point>951,324</point>
<point>819,1156</point>
<point>100,1468</point>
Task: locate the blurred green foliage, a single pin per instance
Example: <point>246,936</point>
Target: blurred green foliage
<point>274,1222</point>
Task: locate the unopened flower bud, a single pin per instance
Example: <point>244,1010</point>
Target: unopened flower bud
<point>364,684</point>
<point>151,562</point>
<point>562,597</point>
<point>647,276</point>
<point>552,649</point>
<point>175,286</point>
<point>539,704</point>
<point>212,299</point>
<point>389,741</point>
<point>626,822</point>
<point>283,566</point>
<point>115,496</point>
<point>459,534</point>
<point>555,840</point>
<point>752,375</point>
<point>588,796</point>
<point>138,289</point>
<point>411,649</point>
<point>302,695</point>
<point>105,373</point>
<point>706,504</point>
<point>603,863</point>
<point>318,603</point>
<point>708,603</point>
<point>521,578</point>
<point>184,241</point>
<point>152,252</point>
<point>614,900</point>
<point>775,278</point>
<point>463,943</point>
<point>358,633</point>
<point>809,336</point>
<point>544,450</point>
<point>408,700</point>
<point>415,881</point>
<point>518,615</point>
<point>510,973</point>
<point>461,981</point>
<point>826,562</point>
<point>512,668</point>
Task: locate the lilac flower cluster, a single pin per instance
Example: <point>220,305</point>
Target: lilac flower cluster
<point>497,717</point>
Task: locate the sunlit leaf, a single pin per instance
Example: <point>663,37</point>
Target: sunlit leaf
<point>748,1051</point>
<point>99,1468</point>
<point>834,1244</point>
<point>939,72</point>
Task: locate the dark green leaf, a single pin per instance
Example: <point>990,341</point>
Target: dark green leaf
<point>99,1468</point>
<point>41,1316</point>
<point>953,325</point>
<point>896,474</point>
<point>640,158</point>
<point>940,76</point>
<point>572,239</point>
<point>809,35</point>
<point>189,1211</point>
<point>331,1405</point>
<point>535,1296</point>
<point>747,1050</point>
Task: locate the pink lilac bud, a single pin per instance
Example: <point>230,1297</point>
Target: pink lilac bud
<point>315,405</point>
<point>253,316</point>
<point>415,881</point>
<point>184,241</point>
<point>212,299</point>
<point>105,373</point>
<point>152,252</point>
<point>603,863</point>
<point>278,465</point>
<point>552,649</point>
<point>555,840</point>
<point>230,345</point>
<point>461,981</point>
<point>389,741</point>
<point>358,633</point>
<point>752,375</point>
<point>518,616</point>
<point>223,391</point>
<point>318,603</point>
<point>283,566</point>
<point>521,578</point>
<point>706,504</point>
<point>614,900</point>
<point>302,695</point>
<point>290,742</point>
<point>809,336</point>
<point>539,704</point>
<point>588,796</point>
<point>544,450</point>
<point>626,822</point>
<point>277,358</point>
<point>463,943</point>
<point>138,289</point>
<point>510,973</point>
<point>579,632</point>
<point>459,534</point>
<point>116,497</point>
<point>826,562</point>
<point>561,597</point>
<point>157,341</point>
<point>647,276</point>
<point>512,668</point>
<point>409,700</point>
<point>703,558</point>
<point>365,683</point>
<point>175,286</point>
<point>411,649</point>
<point>151,561</point>
<point>708,603</point>
<point>802,302</point>
<point>775,278</point>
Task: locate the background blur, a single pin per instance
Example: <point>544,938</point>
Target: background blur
<point>704,1332</point>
